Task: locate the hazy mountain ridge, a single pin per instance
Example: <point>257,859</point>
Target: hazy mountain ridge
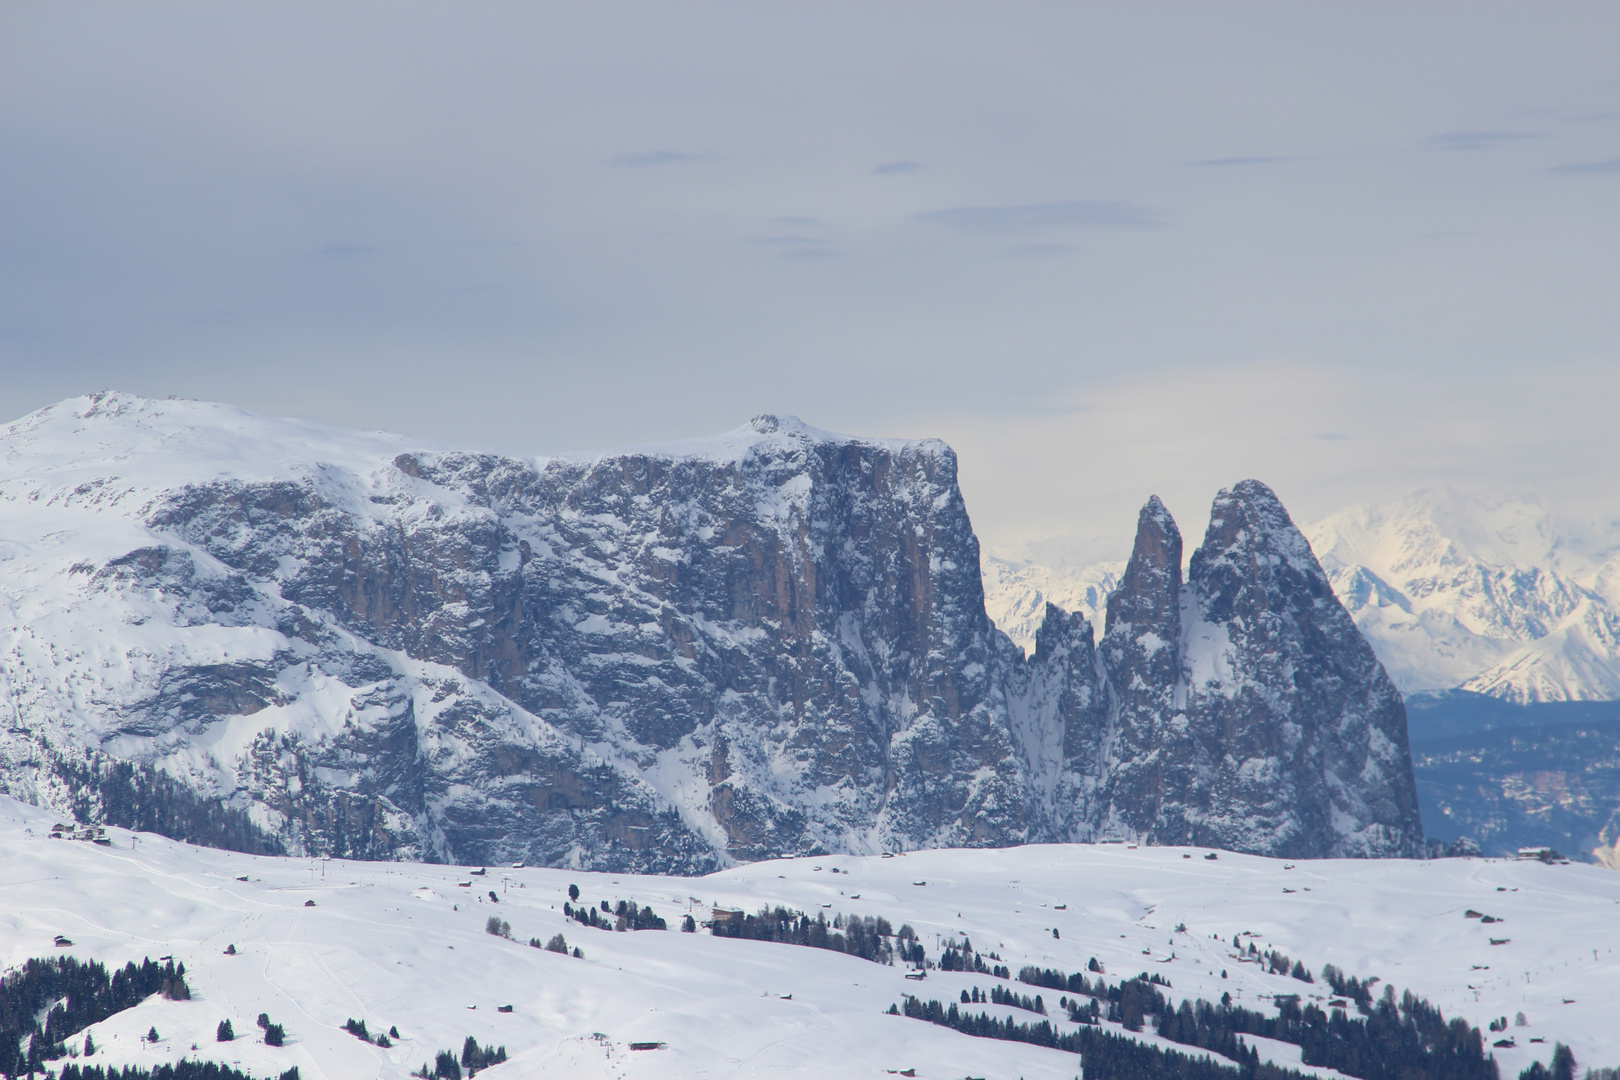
<point>1016,592</point>
<point>771,641</point>
<point>1505,604</point>
<point>1485,593</point>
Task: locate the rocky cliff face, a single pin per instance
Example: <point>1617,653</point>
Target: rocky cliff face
<point>1253,714</point>
<point>770,642</point>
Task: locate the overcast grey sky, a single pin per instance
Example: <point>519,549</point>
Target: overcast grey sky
<point>1104,250</point>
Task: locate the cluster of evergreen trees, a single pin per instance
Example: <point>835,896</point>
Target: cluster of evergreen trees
<point>1106,1056</point>
<point>557,944</point>
<point>180,1070</point>
<point>961,957</point>
<point>588,915</point>
<point>1273,961</point>
<point>274,1034</point>
<point>1086,1013</point>
<point>911,950</point>
<point>446,1066</point>
<point>630,917</point>
<point>1350,987</point>
<point>1406,1039</point>
<point>145,799</point>
<point>357,1028</point>
<point>1128,1002</point>
<point>86,992</point>
<point>866,937</point>
<point>998,996</point>
<point>627,916</point>
<point>1562,1067</point>
<point>985,1026</point>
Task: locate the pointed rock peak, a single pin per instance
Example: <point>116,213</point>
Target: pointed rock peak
<point>1155,511</point>
<point>1158,540</point>
<point>1151,584</point>
<point>1255,497</point>
<point>1250,516</point>
<point>1061,631</point>
<point>1255,559</point>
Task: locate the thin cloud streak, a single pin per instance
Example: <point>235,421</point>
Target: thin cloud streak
<point>788,240</point>
<point>345,251</point>
<point>1588,168</point>
<point>1230,161</point>
<point>1035,217</point>
<point>652,159</point>
<point>1480,140</point>
<point>1041,251</point>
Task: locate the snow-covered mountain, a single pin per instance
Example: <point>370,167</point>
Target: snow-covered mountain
<point>1490,594</point>
<point>1487,593</point>
<point>272,633</point>
<point>404,946</point>
<point>1016,592</point>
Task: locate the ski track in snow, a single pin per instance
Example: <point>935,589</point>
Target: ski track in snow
<point>385,943</point>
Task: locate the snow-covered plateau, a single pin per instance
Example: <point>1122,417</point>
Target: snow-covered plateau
<point>405,946</point>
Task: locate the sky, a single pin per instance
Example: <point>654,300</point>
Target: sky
<point>1104,250</point>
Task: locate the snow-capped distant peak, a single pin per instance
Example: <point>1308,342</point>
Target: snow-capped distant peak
<point>1017,591</point>
<point>1490,591</point>
<point>177,440</point>
<point>764,432</point>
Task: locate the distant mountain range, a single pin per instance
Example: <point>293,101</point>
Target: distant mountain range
<point>1488,594</point>
<point>278,635</point>
<point>1498,618</point>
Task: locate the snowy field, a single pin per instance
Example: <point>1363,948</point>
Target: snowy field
<point>405,945</point>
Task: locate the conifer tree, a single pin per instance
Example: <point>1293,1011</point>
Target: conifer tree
<point>1563,1063</point>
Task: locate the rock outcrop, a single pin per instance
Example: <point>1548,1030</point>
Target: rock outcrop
<point>668,658</point>
<point>1252,713</point>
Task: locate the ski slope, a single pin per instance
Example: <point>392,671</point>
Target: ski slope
<point>404,944</point>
